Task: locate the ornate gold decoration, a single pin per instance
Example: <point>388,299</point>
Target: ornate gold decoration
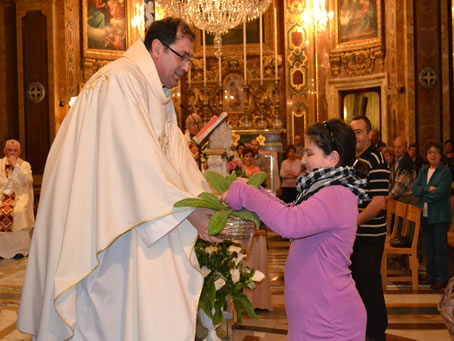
<point>235,139</point>
<point>261,103</point>
<point>261,139</point>
<point>357,63</point>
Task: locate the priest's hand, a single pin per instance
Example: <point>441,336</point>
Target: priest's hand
<point>200,219</point>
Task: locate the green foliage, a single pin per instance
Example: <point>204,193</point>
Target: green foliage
<point>207,200</point>
<point>257,179</point>
<point>217,222</point>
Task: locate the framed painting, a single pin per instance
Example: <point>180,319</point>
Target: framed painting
<point>232,41</point>
<point>357,24</point>
<point>106,28</point>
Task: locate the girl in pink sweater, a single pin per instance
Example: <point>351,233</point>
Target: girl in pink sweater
<point>321,299</point>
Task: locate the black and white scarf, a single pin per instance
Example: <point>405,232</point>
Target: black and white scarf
<point>310,183</point>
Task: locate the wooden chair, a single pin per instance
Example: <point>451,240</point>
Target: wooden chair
<point>411,228</point>
<point>390,216</point>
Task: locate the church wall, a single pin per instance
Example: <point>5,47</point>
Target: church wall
<point>9,124</point>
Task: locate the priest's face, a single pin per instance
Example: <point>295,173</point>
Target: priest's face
<point>172,61</point>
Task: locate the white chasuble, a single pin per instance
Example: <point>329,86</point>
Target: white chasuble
<point>111,258</point>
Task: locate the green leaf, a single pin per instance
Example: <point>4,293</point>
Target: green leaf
<point>257,179</point>
<point>217,181</point>
<point>217,222</point>
<point>247,215</point>
<point>247,306</point>
<point>213,199</point>
<point>218,316</point>
<point>193,202</point>
<point>204,304</point>
<point>231,178</point>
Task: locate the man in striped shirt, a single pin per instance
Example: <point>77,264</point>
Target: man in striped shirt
<point>371,234</point>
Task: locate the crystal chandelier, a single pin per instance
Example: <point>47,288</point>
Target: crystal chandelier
<point>215,16</point>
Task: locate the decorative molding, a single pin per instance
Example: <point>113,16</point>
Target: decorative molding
<point>357,63</point>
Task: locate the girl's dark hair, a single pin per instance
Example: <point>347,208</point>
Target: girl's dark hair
<point>166,31</point>
<point>290,147</point>
<point>433,143</point>
<point>239,145</point>
<point>335,135</point>
<point>248,150</point>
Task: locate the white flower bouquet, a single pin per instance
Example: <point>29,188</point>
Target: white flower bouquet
<point>226,275</point>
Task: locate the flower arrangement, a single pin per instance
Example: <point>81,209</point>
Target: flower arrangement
<point>225,276</point>
<point>236,165</point>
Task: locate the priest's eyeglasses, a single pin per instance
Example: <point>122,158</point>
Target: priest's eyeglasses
<point>331,134</point>
<point>183,57</point>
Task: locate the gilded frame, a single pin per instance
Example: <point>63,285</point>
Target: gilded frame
<point>236,49</point>
<point>364,28</point>
<point>91,45</point>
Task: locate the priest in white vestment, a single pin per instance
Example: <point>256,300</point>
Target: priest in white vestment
<point>16,202</point>
<point>111,258</point>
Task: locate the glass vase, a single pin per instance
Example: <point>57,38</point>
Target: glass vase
<point>238,230</point>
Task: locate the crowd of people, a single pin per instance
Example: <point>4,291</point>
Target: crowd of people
<point>114,267</point>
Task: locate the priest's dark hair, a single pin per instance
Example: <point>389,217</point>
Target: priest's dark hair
<point>166,31</point>
<point>335,135</point>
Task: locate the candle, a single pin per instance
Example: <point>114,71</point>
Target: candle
<point>220,71</point>
<point>204,61</point>
<point>244,51</point>
<point>261,50</point>
<point>189,77</point>
<point>275,44</point>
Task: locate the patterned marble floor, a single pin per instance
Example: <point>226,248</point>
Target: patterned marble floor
<point>412,315</point>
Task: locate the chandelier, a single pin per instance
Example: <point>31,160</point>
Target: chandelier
<point>215,16</point>
<point>316,15</point>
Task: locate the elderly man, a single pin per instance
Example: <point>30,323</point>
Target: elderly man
<point>111,258</point>
<point>259,160</point>
<point>16,202</point>
<point>193,126</point>
<point>402,174</point>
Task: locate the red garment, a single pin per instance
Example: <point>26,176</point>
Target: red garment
<point>7,209</point>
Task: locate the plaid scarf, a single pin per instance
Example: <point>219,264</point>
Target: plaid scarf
<point>310,183</point>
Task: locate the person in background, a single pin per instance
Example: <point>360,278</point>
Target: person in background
<point>417,160</point>
<point>16,202</point>
<point>193,126</point>
<point>290,170</point>
<point>259,160</point>
<point>248,157</point>
<point>111,258</point>
<point>321,299</point>
<point>388,154</point>
<point>374,138</point>
<point>448,156</point>
<point>238,153</point>
<point>371,233</point>
<point>402,174</point>
<point>298,143</point>
<point>432,186</point>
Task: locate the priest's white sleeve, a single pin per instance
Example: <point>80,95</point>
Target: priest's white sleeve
<point>152,231</point>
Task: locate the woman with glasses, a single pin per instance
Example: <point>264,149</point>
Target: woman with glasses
<point>432,186</point>
<point>321,299</point>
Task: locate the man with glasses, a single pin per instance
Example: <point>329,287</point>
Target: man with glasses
<point>371,233</point>
<point>111,258</point>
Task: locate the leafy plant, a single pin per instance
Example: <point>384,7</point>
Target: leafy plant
<point>221,184</point>
<point>225,276</point>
